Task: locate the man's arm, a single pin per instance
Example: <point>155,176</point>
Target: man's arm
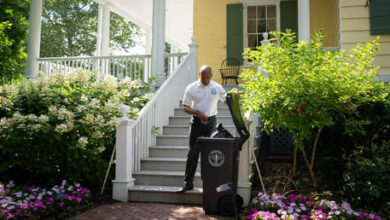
<point>192,111</point>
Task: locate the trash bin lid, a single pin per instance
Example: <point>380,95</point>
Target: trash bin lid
<point>235,111</point>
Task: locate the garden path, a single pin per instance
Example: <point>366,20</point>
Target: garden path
<point>146,211</point>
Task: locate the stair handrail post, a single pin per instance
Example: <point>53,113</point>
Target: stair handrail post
<point>124,157</point>
<point>194,52</point>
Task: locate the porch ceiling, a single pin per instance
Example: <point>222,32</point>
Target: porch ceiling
<point>179,17</point>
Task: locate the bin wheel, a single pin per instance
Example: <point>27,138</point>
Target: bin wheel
<point>225,205</point>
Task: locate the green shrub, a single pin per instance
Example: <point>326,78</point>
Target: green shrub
<point>335,145</point>
<point>309,89</point>
<point>63,126</point>
<point>367,178</point>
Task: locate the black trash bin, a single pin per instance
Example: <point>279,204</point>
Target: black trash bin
<point>219,156</point>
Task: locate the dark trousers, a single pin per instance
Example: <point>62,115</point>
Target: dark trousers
<point>197,130</point>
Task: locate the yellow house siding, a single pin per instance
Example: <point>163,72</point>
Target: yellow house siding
<point>210,32</point>
<point>324,15</point>
<point>355,28</point>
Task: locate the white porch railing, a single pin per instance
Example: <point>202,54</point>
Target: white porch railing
<point>134,66</point>
<point>133,138</point>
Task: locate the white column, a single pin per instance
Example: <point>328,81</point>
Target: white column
<point>34,38</point>
<point>99,31</point>
<point>103,32</point>
<point>194,65</point>
<point>124,157</point>
<point>148,51</point>
<point>103,37</point>
<point>148,42</point>
<point>246,161</point>
<point>158,40</point>
<point>304,20</point>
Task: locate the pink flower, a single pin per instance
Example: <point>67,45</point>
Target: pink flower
<point>60,204</point>
<point>23,206</point>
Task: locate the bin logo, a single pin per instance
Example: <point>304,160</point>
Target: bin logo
<point>216,158</point>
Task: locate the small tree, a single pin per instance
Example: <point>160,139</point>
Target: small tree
<point>308,88</point>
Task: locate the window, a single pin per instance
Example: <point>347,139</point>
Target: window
<point>259,19</point>
<point>380,17</point>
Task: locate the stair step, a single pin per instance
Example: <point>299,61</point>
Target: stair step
<point>166,178</point>
<point>165,164</point>
<point>166,194</point>
<point>185,129</point>
<point>172,140</point>
<point>221,112</point>
<point>168,151</point>
<point>185,120</point>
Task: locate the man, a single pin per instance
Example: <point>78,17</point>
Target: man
<point>200,100</point>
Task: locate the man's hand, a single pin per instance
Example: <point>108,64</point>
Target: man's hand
<point>237,94</point>
<point>203,118</point>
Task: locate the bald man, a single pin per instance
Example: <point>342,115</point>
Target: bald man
<point>200,100</point>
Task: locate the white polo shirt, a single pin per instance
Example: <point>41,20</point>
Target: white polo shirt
<point>204,98</point>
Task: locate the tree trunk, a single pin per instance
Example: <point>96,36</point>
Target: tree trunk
<point>313,177</point>
<point>295,162</point>
<point>313,154</point>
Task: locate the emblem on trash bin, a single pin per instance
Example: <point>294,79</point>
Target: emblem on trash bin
<point>216,158</point>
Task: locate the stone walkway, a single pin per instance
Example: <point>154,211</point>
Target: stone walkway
<point>146,211</point>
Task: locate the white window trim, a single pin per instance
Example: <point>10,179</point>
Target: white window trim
<point>247,3</point>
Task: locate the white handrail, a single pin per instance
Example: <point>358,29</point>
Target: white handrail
<point>133,66</point>
<point>157,111</point>
<point>134,137</point>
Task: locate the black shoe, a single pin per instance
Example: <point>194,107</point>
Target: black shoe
<point>185,188</point>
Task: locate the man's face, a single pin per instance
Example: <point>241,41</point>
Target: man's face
<point>205,77</point>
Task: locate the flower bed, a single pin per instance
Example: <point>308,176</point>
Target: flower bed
<point>35,202</point>
<point>294,206</point>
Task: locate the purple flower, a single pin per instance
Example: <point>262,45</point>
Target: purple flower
<point>10,184</point>
<point>30,188</point>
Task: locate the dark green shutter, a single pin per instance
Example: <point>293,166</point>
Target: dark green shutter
<point>380,16</point>
<point>289,16</point>
<point>234,31</point>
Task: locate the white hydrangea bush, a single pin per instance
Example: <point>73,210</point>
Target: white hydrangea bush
<point>72,116</point>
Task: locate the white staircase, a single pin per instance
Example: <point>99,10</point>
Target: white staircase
<point>162,172</point>
<point>149,167</point>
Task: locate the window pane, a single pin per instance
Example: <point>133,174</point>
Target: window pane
<point>252,39</point>
<point>252,26</point>
<point>271,25</point>
<point>251,12</point>
<point>260,12</point>
<point>271,11</point>
<point>259,39</point>
<point>261,26</point>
